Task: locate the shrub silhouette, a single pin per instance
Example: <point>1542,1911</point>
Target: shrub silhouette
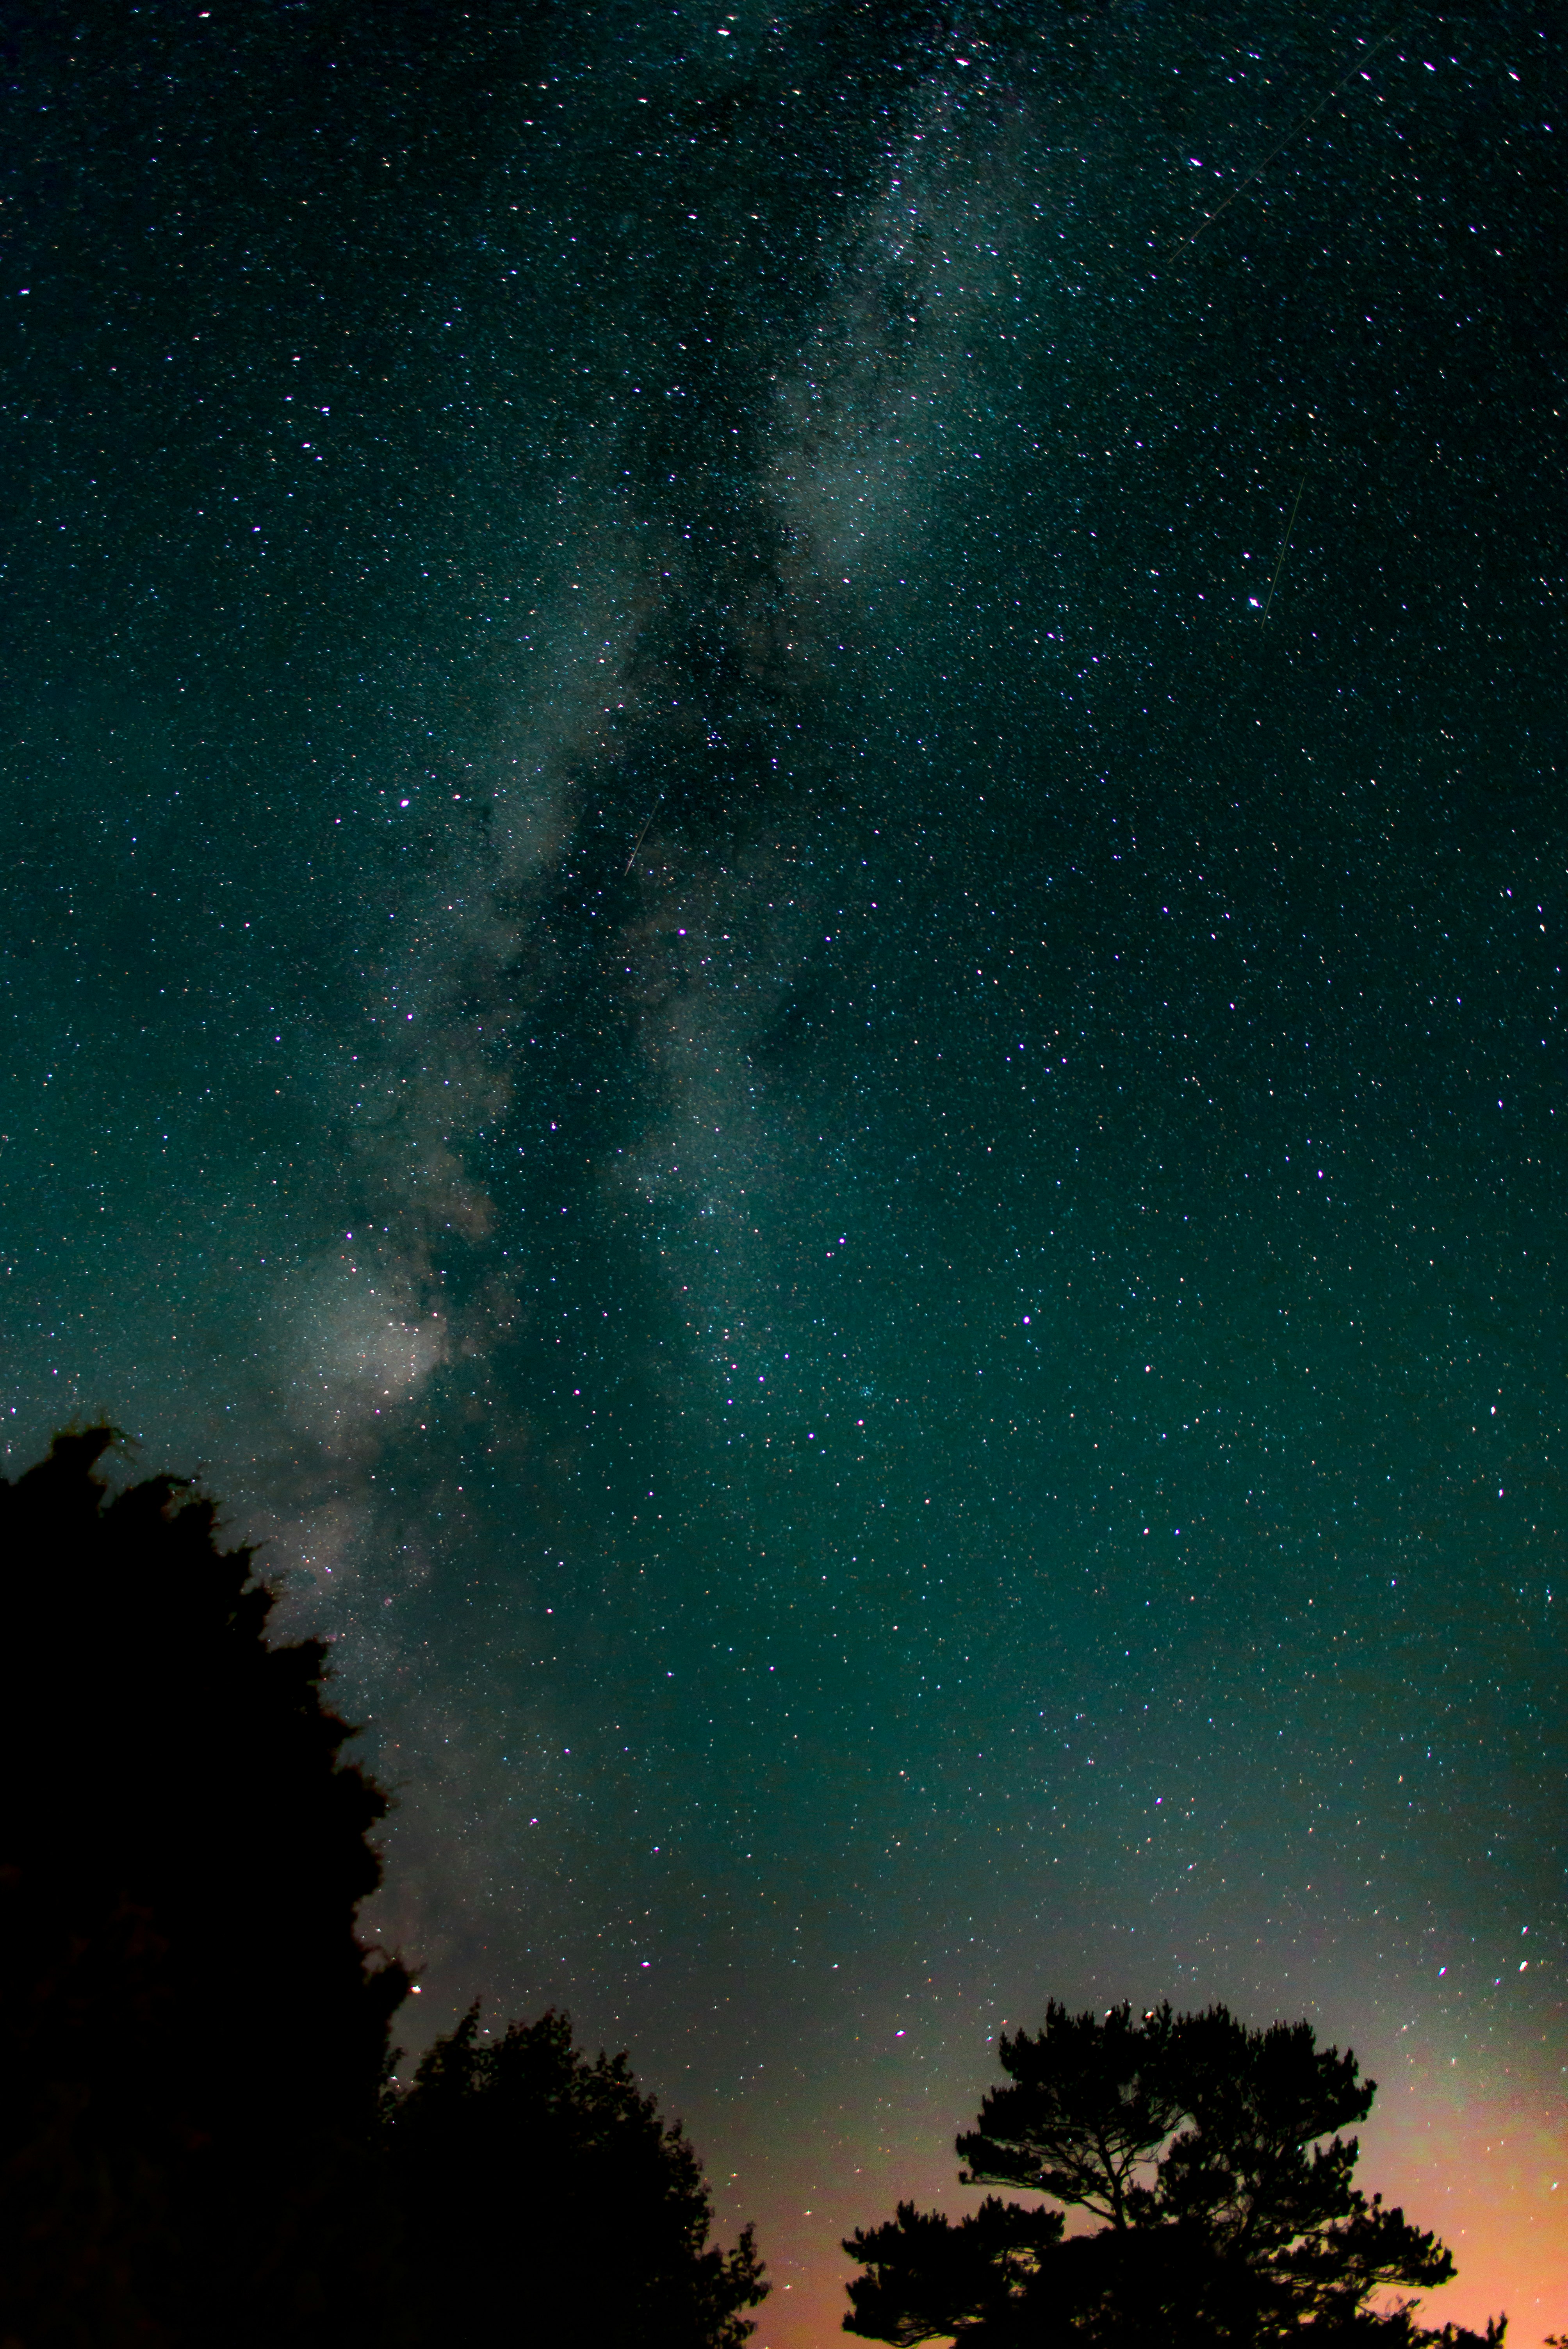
<point>544,2200</point>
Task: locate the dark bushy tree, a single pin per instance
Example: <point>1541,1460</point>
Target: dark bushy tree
<point>546,2201</point>
<point>197,2148</point>
<point>1228,2222</point>
<point>192,2040</point>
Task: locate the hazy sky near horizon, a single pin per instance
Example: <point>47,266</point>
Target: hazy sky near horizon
<point>782,941</point>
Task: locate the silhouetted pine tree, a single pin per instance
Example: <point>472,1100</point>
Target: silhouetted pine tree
<point>192,2040</point>
<point>1228,2222</point>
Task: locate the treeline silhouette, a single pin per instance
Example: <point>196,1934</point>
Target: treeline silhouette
<point>203,2145</point>
<point>200,2143</point>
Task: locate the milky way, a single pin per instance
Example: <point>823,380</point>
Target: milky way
<point>781,942</point>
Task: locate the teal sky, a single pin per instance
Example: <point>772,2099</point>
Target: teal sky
<point>860,1183</point>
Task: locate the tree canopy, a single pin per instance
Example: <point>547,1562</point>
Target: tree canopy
<point>197,2146</point>
<point>190,2036</point>
<point>545,2200</point>
<point>1226,2219</point>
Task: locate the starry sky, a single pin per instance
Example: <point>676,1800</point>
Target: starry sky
<point>782,953</point>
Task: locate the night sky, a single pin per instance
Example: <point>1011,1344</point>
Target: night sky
<point>831,1083</point>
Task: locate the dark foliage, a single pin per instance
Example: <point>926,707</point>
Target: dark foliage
<point>198,2149</point>
<point>545,2201</point>
<point>927,2276</point>
<point>1089,2101</point>
<point>1228,2222</point>
<point>191,2041</point>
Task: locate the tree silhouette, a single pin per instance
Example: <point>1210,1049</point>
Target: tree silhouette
<point>197,2146</point>
<point>192,2040</point>
<point>546,2201</point>
<point>1198,2144</point>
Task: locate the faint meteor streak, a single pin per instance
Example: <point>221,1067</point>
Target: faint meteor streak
<point>1296,129</point>
<point>643,833</point>
<point>1283,549</point>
